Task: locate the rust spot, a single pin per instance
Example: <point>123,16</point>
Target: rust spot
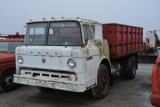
<point>82,45</point>
<point>67,77</point>
<point>35,74</point>
<point>91,86</point>
<point>89,58</point>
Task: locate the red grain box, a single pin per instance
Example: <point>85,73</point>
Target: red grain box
<point>122,38</point>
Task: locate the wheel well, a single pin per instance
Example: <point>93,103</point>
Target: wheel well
<point>107,63</point>
<point>8,69</point>
<point>135,55</point>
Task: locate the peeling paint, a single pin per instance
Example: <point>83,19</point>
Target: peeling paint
<point>55,72</point>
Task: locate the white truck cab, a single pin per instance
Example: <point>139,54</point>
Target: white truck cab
<point>64,54</point>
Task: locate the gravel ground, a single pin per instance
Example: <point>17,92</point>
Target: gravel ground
<point>123,93</point>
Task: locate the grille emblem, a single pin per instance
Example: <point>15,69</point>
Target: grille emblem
<point>43,60</point>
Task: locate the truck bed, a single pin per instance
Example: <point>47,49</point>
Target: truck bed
<point>123,39</point>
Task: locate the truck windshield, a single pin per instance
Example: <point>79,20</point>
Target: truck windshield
<point>54,34</point>
<point>64,33</point>
<point>9,46</point>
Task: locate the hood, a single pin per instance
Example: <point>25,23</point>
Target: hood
<point>7,57</point>
<point>52,51</point>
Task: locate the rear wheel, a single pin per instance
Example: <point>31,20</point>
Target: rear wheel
<point>101,89</point>
<point>122,71</point>
<point>131,67</point>
<point>6,81</point>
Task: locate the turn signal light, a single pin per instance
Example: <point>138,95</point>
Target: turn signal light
<point>44,19</point>
<point>82,45</point>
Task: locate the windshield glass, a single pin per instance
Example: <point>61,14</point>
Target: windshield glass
<point>36,34</point>
<point>64,33</point>
<point>56,34</point>
<point>9,46</point>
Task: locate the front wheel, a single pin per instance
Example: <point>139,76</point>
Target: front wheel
<point>6,81</point>
<point>101,89</point>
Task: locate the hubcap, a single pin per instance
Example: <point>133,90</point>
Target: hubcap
<point>8,80</point>
<point>104,82</point>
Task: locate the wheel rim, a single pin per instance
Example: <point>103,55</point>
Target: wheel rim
<point>8,80</point>
<point>104,81</point>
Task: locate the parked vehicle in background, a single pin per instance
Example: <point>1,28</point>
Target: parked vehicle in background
<point>155,97</point>
<point>8,45</point>
<point>77,54</point>
<point>150,54</point>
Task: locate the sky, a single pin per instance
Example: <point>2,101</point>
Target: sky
<point>142,13</point>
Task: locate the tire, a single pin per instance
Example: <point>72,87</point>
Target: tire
<point>131,68</point>
<point>42,89</point>
<point>101,89</point>
<point>122,72</point>
<point>6,81</point>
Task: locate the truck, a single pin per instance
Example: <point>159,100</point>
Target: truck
<point>8,45</point>
<point>155,95</point>
<point>77,55</point>
<point>152,47</point>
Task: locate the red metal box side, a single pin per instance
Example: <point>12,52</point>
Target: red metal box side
<point>133,38</point>
<point>112,33</point>
<point>129,38</point>
<point>141,37</point>
<point>122,38</point>
<point>137,37</point>
<point>109,35</point>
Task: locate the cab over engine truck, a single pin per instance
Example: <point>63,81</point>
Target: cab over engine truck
<point>151,48</point>
<point>77,55</point>
<point>152,43</point>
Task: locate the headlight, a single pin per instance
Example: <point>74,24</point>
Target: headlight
<point>71,63</point>
<point>20,60</point>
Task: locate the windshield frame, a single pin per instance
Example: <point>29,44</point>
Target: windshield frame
<point>47,33</point>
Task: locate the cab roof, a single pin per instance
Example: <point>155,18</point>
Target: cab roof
<point>86,21</point>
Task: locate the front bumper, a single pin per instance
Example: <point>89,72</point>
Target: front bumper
<point>155,100</point>
<point>61,85</point>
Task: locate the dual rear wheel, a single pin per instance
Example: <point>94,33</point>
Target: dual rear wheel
<point>128,68</point>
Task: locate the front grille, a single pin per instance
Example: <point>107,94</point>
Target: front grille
<point>48,74</point>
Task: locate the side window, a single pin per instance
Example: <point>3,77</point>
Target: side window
<point>89,32</point>
<point>85,34</point>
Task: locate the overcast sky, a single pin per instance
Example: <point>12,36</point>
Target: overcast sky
<point>142,13</point>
